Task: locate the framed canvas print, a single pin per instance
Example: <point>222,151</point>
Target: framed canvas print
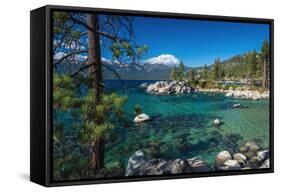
<point>119,95</point>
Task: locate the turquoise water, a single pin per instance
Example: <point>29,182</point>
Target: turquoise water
<point>182,125</point>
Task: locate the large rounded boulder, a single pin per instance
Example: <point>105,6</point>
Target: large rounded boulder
<point>135,161</point>
<point>252,146</point>
<point>141,118</point>
<point>222,157</point>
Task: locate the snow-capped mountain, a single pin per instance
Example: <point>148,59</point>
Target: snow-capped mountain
<point>164,59</point>
<point>157,68</point>
<point>164,62</point>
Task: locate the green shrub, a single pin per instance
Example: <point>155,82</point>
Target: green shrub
<point>137,109</point>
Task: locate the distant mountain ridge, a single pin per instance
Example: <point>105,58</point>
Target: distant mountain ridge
<point>158,68</point>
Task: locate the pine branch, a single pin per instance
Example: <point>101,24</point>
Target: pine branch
<point>69,54</point>
<point>84,67</point>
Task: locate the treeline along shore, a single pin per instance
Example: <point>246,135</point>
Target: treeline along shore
<point>185,87</point>
<point>242,76</point>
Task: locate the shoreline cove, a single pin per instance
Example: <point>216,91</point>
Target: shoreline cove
<point>183,87</point>
<point>181,126</point>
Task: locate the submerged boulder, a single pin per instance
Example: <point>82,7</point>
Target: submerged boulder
<point>236,105</point>
<point>217,122</point>
<point>141,118</point>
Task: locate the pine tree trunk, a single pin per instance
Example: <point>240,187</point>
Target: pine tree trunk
<point>97,154</point>
<point>94,55</point>
<point>94,59</point>
<point>264,74</point>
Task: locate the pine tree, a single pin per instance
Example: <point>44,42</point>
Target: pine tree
<point>177,73</point>
<point>173,74</point>
<point>95,121</point>
<point>70,31</point>
<point>253,66</point>
<point>216,70</point>
<point>222,75</point>
<point>265,58</point>
<point>191,75</point>
<point>205,72</point>
<point>181,71</point>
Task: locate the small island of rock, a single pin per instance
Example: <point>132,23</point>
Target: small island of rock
<point>169,87</point>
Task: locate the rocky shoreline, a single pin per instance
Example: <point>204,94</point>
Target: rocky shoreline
<point>240,93</point>
<point>249,156</point>
<point>183,87</point>
<point>248,94</point>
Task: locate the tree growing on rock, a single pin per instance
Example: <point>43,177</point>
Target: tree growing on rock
<point>181,71</point>
<point>178,73</point>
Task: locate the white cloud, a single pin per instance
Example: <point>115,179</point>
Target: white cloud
<point>59,55</point>
<point>81,57</point>
<point>164,59</point>
<point>76,57</point>
<point>106,61</point>
<point>109,62</point>
<point>73,45</point>
<point>55,43</point>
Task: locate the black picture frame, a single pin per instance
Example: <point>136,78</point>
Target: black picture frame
<point>41,93</point>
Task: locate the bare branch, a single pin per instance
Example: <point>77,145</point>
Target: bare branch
<point>82,68</point>
<point>114,38</point>
<point>116,74</point>
<point>84,24</point>
<point>67,30</point>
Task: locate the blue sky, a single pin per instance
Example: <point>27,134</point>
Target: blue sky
<point>197,42</point>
